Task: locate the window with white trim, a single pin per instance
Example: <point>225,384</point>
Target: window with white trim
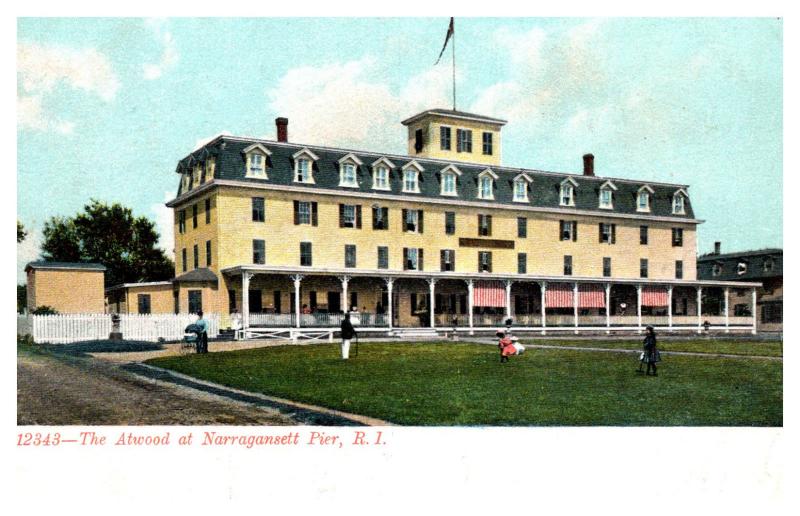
<point>485,190</point>
<point>741,268</point>
<point>303,171</point>
<point>381,179</point>
<point>410,183</point>
<point>348,175</point>
<point>643,201</point>
<point>567,195</point>
<point>716,269</point>
<point>678,204</point>
<point>606,198</point>
<point>449,184</point>
<point>520,190</point>
<point>256,165</point>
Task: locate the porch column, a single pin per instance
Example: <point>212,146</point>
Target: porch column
<point>246,276</point>
<point>508,298</point>
<point>608,307</point>
<point>575,305</point>
<point>389,285</point>
<point>543,285</point>
<point>345,299</point>
<point>297,278</point>
<point>432,304</point>
<point>699,309</point>
<point>669,307</point>
<point>754,311</point>
<point>469,304</point>
<point>727,322</point>
<point>639,307</point>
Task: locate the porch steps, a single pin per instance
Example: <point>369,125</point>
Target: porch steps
<point>415,333</point>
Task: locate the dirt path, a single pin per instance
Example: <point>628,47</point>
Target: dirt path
<point>64,390</point>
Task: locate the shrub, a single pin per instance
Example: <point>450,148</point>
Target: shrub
<point>44,310</point>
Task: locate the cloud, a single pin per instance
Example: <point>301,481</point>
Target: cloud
<point>169,54</point>
<point>42,69</point>
<point>164,224</point>
<point>550,71</point>
<point>348,105</point>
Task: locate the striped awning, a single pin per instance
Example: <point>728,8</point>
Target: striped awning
<point>558,295</point>
<point>654,296</point>
<point>591,296</point>
<point>489,294</point>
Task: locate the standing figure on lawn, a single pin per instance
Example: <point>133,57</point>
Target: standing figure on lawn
<point>651,354</point>
<point>508,346</point>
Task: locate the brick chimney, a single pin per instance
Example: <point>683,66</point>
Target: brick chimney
<point>282,126</point>
<point>717,248</point>
<point>588,164</point>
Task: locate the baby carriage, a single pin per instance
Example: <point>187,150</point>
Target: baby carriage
<point>191,335</point>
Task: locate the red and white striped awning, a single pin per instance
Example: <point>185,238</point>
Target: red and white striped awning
<point>591,296</point>
<point>558,295</point>
<point>654,296</point>
<point>489,293</point>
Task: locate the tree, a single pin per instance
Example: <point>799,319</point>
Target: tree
<point>22,298</point>
<point>110,235</point>
<point>21,233</point>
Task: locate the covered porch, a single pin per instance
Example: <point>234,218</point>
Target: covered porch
<point>283,298</point>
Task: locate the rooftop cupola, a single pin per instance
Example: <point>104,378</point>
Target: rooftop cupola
<point>454,136</point>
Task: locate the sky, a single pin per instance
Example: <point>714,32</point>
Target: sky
<point>107,106</point>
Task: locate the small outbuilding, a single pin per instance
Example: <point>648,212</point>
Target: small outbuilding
<point>141,298</point>
<point>67,287</point>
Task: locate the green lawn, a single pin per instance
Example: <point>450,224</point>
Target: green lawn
<point>464,384</point>
<point>768,348</point>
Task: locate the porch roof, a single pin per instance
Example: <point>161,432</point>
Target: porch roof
<point>397,274</point>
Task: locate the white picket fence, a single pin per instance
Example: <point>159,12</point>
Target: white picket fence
<point>67,328</point>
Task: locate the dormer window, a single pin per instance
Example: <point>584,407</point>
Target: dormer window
<point>348,166</point>
<point>643,199</point>
<point>741,268</point>
<point>521,187</point>
<point>411,177</point>
<point>606,200</point>
<point>256,161</point>
<point>256,165</point>
<point>196,175</point>
<point>209,172</point>
<point>567,192</point>
<point>380,174</point>
<point>410,181</point>
<point>486,184</point>
<point>304,166</point>
<point>769,264</point>
<point>716,269</point>
<point>679,203</point>
<point>450,180</point>
<point>449,184</point>
<point>187,178</point>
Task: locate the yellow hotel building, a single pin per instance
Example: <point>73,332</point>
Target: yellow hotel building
<point>286,235</point>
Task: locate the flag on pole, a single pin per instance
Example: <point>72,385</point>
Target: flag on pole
<point>450,31</point>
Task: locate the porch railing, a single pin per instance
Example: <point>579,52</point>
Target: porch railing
<point>317,320</point>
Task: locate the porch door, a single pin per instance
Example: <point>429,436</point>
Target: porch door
<point>334,302</point>
<point>254,299</point>
<point>276,301</point>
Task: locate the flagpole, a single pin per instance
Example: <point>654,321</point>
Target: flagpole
<point>454,67</point>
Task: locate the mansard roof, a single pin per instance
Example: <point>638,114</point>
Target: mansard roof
<point>544,193</point>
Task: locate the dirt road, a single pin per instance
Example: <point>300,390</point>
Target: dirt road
<point>67,390</point>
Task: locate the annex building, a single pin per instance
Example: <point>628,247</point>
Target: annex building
<point>764,266</point>
<point>290,235</point>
